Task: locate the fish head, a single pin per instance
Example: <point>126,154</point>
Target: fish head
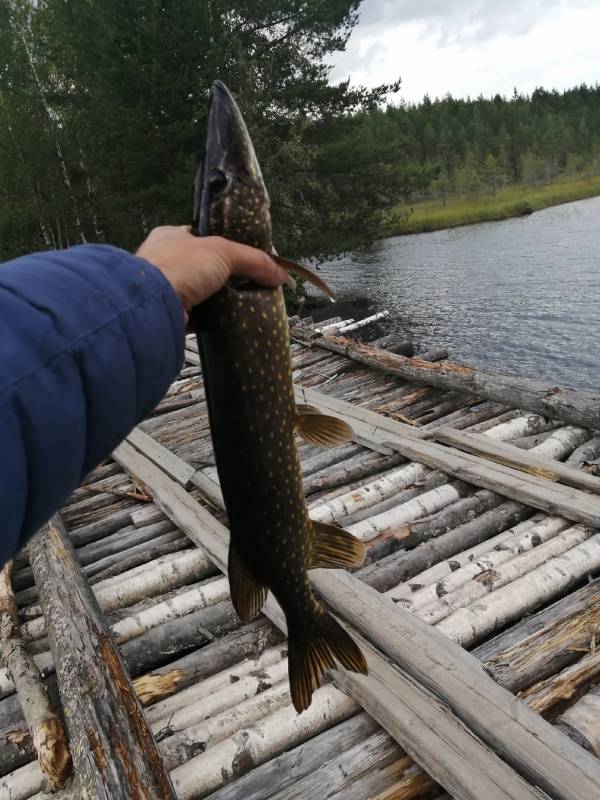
<point>231,199</point>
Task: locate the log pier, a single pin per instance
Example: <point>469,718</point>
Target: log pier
<point>475,498</point>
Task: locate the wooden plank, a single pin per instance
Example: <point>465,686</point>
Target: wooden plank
<point>576,408</point>
<point>513,730</point>
<point>422,723</point>
<point>540,493</point>
<point>162,457</point>
<point>113,750</point>
<point>354,413</point>
<point>524,460</point>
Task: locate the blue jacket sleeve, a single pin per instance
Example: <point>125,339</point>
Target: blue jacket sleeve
<point>90,339</point>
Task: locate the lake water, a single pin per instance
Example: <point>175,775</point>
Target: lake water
<point>519,296</point>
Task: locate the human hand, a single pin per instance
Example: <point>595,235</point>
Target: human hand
<point>197,267</point>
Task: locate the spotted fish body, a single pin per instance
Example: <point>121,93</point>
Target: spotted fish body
<point>246,362</point>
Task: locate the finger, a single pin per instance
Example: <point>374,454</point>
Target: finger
<point>249,262</point>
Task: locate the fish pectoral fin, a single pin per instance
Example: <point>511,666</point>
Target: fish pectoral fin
<point>247,594</point>
<point>320,429</point>
<point>335,548</point>
<point>305,273</point>
<point>308,660</point>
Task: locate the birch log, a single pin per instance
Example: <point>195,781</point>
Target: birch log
<point>492,558</point>
<point>114,754</point>
<point>47,734</point>
<point>442,569</point>
<point>500,575</point>
<point>253,746</point>
<point>287,770</point>
<point>576,408</point>
<point>468,625</point>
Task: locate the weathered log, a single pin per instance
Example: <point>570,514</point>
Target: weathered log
<point>472,415</point>
<point>422,505</point>
<point>514,731</point>
<point>557,690</point>
<point>158,645</point>
<point>469,507</point>
<point>403,566</point>
<point>249,641</point>
<point>370,494</point>
<point>576,408</point>
<point>139,555</point>
<point>392,691</point>
<point>580,721</point>
<point>529,461</point>
<point>357,773</point>
<point>432,480</point>
<point>219,691</point>
<point>45,728</point>
<point>362,466</point>
<point>113,751</point>
<point>585,453</point>
<point>165,574</point>
<point>544,643</point>
<point>441,570</point>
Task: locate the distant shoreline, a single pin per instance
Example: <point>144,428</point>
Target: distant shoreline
<point>512,201</point>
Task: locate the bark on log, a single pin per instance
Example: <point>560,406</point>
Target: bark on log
<point>403,566</point>
<point>580,721</point>
<point>288,769</point>
<point>255,745</point>
<point>545,643</point>
<point>576,408</point>
<point>442,590</point>
<point>114,753</point>
<point>362,466</point>
<point>504,574</point>
<point>468,625</point>
<point>443,569</point>
<point>47,734</point>
<point>560,689</point>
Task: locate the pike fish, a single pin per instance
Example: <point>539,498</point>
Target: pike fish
<point>246,364</point>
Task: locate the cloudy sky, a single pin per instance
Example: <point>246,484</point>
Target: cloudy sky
<point>468,47</point>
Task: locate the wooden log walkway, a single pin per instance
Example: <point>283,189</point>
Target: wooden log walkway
<point>467,532</point>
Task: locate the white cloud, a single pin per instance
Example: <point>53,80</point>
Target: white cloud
<point>473,48</point>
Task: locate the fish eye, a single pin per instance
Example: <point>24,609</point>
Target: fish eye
<point>217,181</point>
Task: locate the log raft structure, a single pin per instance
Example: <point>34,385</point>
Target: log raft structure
<point>477,496</point>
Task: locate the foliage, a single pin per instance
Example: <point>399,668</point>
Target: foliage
<point>103,108</point>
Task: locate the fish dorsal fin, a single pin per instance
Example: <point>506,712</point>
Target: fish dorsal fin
<point>247,594</point>
<point>320,429</point>
<point>335,548</point>
<point>305,273</point>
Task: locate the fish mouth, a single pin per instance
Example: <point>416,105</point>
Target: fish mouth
<point>230,153</point>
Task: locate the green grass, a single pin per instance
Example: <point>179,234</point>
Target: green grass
<point>513,201</point>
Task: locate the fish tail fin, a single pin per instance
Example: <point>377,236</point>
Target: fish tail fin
<point>309,659</point>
